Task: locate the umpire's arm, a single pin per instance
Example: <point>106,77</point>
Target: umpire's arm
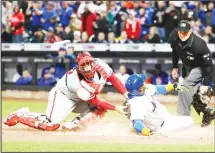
<point>172,41</point>
<point>175,57</point>
<point>207,64</point>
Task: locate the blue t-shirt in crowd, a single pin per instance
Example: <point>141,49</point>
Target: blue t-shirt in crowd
<point>24,81</point>
<point>65,16</point>
<point>47,82</point>
<point>36,18</point>
<point>162,75</point>
<point>47,15</point>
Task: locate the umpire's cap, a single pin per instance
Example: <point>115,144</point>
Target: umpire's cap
<point>134,82</point>
<point>184,25</point>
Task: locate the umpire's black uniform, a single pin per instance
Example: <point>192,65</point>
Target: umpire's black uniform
<point>197,59</point>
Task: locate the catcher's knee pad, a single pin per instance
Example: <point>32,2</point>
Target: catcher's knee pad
<point>38,121</point>
<point>201,100</point>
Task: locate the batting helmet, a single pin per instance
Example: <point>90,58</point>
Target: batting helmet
<point>134,83</point>
<point>86,65</point>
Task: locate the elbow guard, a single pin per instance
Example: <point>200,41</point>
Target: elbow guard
<point>140,128</point>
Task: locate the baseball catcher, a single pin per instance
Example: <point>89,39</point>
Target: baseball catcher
<point>147,114</point>
<point>75,92</point>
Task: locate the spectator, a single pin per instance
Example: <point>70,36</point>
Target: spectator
<point>185,14</point>
<point>82,7</point>
<point>70,52</point>
<point>210,16</point>
<point>123,39</point>
<point>208,31</point>
<point>6,36</point>
<point>25,79</point>
<point>17,25</point>
<point>158,18</point>
<point>75,23</point>
<point>171,16</point>
<point>52,70</point>
<point>122,75</point>
<point>38,37</point>
<point>60,30</point>
<point>61,53</point>
<point>159,77</point>
<point>196,25</point>
<point>65,14</point>
<point>84,37</point>
<point>88,21</point>
<point>51,37</point>
<point>195,8</point>
<point>207,14</point>
<point>37,13</point>
<point>152,37</point>
<point>111,38</point>
<point>149,10</point>
<point>60,69</point>
<point>70,55</point>
<point>77,37</point>
<point>7,12</point>
<point>132,27</point>
<point>124,16</point>
<point>114,18</point>
<point>26,7</point>
<point>18,73</point>
<point>101,38</point>
<point>49,17</point>
<point>68,34</point>
<point>47,80</point>
<point>144,21</point>
<point>100,6</point>
<point>102,24</point>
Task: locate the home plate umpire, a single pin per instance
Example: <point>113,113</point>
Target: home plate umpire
<point>197,60</point>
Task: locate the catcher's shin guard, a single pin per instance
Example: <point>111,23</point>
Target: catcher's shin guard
<point>38,121</point>
<point>200,104</point>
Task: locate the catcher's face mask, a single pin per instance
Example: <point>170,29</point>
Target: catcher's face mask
<point>87,69</point>
<point>86,65</point>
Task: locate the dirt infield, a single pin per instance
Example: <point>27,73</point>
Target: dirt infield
<point>113,132</point>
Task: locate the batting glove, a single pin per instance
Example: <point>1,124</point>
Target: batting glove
<point>179,87</point>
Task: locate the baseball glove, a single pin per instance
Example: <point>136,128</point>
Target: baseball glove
<point>127,109</point>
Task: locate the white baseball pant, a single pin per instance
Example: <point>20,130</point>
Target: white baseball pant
<point>59,106</point>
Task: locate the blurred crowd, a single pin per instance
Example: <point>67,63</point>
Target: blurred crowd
<point>103,21</point>
<point>51,74</point>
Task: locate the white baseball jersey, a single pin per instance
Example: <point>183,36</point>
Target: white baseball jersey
<point>148,109</point>
<point>70,82</point>
<point>153,113</point>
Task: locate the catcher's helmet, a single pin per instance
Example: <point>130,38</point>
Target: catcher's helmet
<point>86,65</point>
<point>134,83</point>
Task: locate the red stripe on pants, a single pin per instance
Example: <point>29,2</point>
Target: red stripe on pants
<point>53,104</point>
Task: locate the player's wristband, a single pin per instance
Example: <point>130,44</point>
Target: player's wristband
<point>145,131</point>
<point>170,87</point>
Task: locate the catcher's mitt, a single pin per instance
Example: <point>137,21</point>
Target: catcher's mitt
<point>127,109</point>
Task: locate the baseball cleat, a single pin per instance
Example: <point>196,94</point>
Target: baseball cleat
<point>13,118</point>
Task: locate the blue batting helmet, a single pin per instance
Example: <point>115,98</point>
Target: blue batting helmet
<point>134,82</point>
